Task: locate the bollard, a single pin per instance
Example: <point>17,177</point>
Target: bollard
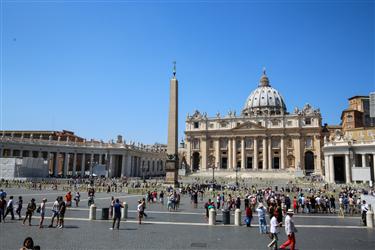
<point>370,217</point>
<point>92,214</point>
<point>124,211</point>
<point>237,217</point>
<point>212,217</point>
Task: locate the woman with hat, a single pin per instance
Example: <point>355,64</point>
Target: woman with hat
<point>290,231</point>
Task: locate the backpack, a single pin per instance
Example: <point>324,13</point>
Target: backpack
<point>38,210</point>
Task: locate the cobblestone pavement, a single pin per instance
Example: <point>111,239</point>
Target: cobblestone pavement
<point>184,229</point>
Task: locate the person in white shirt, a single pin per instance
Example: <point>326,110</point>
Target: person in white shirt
<point>364,209</point>
<point>9,208</point>
<point>55,212</point>
<point>290,231</point>
<point>274,230</point>
<point>42,212</point>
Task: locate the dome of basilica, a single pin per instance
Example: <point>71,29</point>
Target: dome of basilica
<point>264,100</point>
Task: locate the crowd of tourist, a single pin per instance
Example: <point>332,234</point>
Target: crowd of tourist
<point>275,204</point>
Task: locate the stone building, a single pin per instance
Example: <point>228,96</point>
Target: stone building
<point>70,155</point>
<point>349,149</point>
<point>263,137</point>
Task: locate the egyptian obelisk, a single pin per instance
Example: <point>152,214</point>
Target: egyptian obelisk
<point>171,168</point>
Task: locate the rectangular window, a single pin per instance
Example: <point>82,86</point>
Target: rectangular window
<point>307,121</point>
<point>211,144</point>
<point>196,144</point>
<point>308,142</point>
<point>248,143</point>
<point>275,123</point>
<point>223,143</point>
<point>275,143</point>
<point>196,124</point>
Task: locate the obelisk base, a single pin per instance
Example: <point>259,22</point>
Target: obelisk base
<point>171,174</point>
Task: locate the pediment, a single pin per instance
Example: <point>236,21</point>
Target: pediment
<point>248,126</point>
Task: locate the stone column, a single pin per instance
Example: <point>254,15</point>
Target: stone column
<point>348,173</point>
<point>56,166</point>
<point>230,154</point>
<point>363,160</point>
<point>270,153</point>
<point>74,164</point>
<point>332,169</point>
<point>203,149</point>
<point>123,166</point>
<point>243,156</point>
<point>188,152</point>
<point>282,153</point>
<point>217,153</point>
<point>265,165</point>
<point>110,167</point>
<point>326,168</point>
<point>100,159</point>
<point>66,164</point>
<point>297,153</point>
<point>83,164</point>
<point>234,154</point>
<point>172,147</point>
<point>129,165</point>
<point>91,162</point>
<point>318,150</point>
<point>255,156</point>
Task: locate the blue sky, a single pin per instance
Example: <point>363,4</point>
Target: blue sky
<point>102,68</point>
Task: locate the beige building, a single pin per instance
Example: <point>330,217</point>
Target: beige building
<point>349,149</point>
<point>263,137</point>
<point>69,155</point>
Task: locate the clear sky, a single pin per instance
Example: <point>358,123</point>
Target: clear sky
<point>102,68</point>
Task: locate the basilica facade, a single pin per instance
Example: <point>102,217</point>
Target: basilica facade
<point>263,137</point>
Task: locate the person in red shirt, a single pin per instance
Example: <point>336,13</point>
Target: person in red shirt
<point>249,215</point>
<point>295,205</point>
<point>68,198</point>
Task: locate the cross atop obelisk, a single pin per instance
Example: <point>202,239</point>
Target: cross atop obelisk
<point>171,168</point>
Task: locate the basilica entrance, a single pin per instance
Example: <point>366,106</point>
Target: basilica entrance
<point>276,162</point>
<point>196,161</point>
<point>339,168</point>
<point>249,162</point>
<point>224,162</point>
<point>309,162</point>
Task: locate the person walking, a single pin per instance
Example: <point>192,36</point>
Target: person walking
<point>55,212</point>
<point>62,210</point>
<point>42,212</point>
<point>274,224</point>
<point>116,214</point>
<point>3,204</point>
<point>9,209</point>
<point>19,207</point>
<point>290,231</point>
<point>248,214</point>
<point>77,198</point>
<point>29,211</point>
<point>262,218</point>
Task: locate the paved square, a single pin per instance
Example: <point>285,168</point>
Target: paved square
<point>185,229</point>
